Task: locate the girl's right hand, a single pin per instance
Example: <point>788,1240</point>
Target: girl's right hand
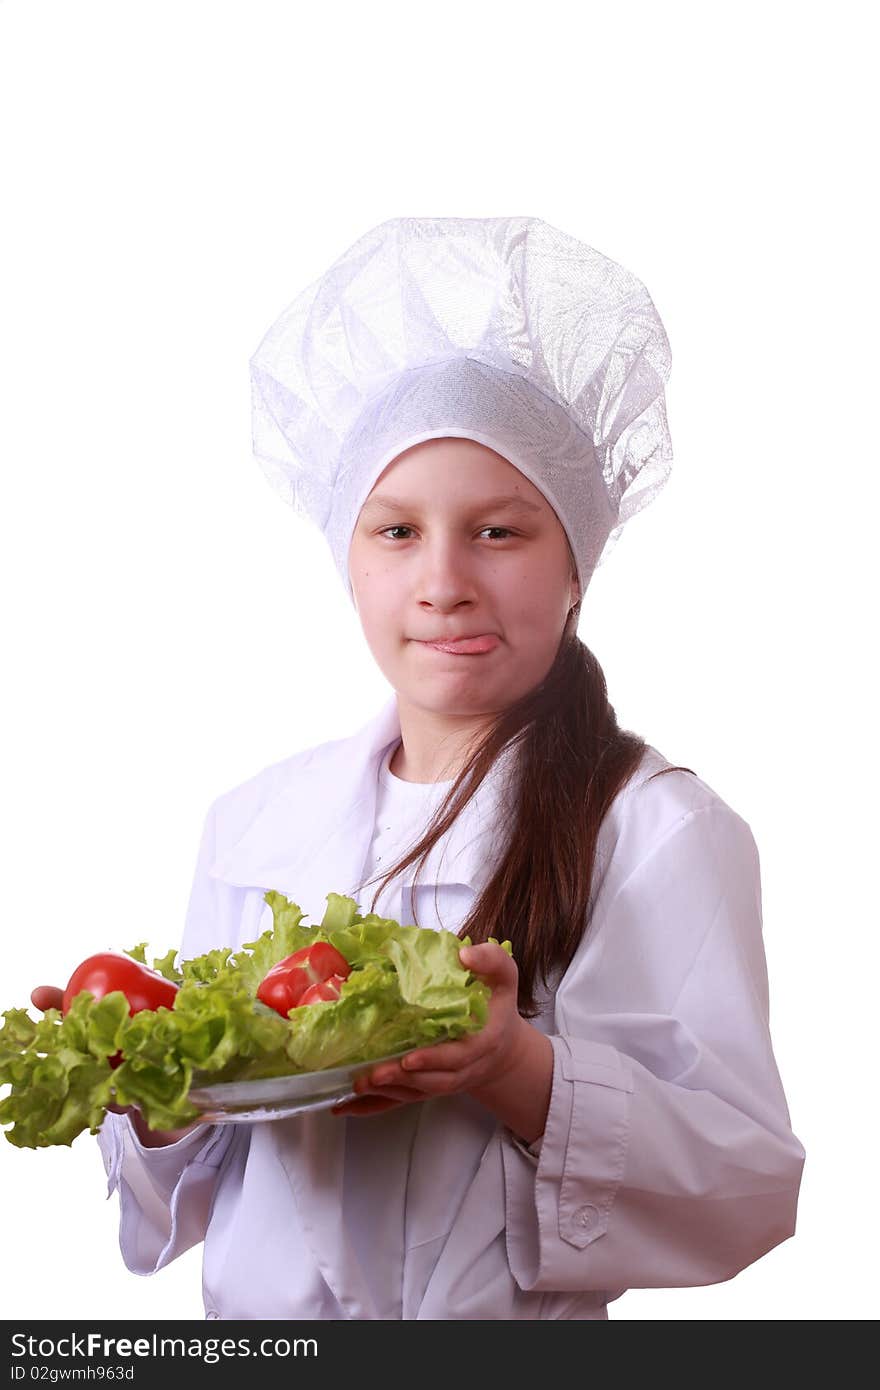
<point>50,997</point>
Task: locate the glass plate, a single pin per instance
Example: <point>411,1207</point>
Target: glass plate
<point>277,1097</point>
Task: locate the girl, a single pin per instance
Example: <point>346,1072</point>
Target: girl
<point>470,409</point>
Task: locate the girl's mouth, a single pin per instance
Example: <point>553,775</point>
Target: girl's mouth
<point>467,646</point>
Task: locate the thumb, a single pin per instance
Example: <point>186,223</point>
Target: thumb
<point>490,962</point>
<point>47,997</point>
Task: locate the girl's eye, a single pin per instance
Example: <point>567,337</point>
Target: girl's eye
<point>505,529</point>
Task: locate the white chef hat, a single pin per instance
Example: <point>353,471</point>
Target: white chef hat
<point>499,329</point>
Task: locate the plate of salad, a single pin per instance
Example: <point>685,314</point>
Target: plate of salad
<point>282,1025</point>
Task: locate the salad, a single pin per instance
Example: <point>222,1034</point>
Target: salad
<point>298,999</point>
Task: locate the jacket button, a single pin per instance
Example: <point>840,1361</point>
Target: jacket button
<point>587,1216</point>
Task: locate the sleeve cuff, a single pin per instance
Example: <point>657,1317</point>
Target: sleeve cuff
<point>165,1193</point>
<point>163,1162</point>
<point>560,1203</point>
<point>154,1156</point>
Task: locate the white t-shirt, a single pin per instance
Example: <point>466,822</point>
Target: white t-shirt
<point>403,810</point>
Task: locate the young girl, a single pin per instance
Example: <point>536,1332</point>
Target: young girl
<point>470,409</point>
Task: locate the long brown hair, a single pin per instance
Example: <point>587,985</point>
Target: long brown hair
<point>572,759</point>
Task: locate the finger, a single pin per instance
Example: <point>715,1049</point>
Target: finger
<point>448,1056</point>
<point>453,1056</point>
<point>491,963</point>
<point>441,1083</point>
<point>47,997</point>
<point>364,1086</point>
<point>366,1105</point>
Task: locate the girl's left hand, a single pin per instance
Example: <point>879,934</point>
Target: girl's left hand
<point>466,1064</point>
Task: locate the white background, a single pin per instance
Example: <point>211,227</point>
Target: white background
<point>172,173</point>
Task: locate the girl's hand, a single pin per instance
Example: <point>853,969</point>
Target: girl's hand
<point>469,1063</point>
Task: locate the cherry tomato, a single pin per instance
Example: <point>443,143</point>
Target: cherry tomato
<point>103,973</point>
<point>285,984</point>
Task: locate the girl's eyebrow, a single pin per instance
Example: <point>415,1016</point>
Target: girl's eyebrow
<point>494,504</point>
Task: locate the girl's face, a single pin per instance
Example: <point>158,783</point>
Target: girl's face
<point>434,556</point>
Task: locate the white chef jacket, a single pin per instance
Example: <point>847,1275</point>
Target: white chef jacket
<point>667,1158</point>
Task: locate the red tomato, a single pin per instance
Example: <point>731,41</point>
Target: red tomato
<point>285,984</point>
<point>331,988</point>
<point>102,974</point>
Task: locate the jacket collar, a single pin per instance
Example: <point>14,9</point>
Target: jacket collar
<point>311,837</point>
